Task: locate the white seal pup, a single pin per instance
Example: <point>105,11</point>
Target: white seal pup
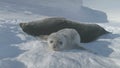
<point>64,39</point>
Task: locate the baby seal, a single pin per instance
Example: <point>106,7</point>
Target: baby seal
<point>64,39</point>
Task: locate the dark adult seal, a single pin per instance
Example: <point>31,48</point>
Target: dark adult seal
<point>87,32</point>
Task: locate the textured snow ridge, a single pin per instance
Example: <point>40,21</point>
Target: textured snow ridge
<point>72,9</point>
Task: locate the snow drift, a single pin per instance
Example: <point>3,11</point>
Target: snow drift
<point>72,9</point>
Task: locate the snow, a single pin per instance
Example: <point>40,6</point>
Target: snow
<point>66,4</point>
<point>72,9</point>
<point>19,50</point>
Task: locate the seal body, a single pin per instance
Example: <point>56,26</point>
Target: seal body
<point>88,32</point>
<point>64,39</point>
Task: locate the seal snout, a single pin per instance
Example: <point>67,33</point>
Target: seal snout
<point>22,24</point>
<point>55,46</point>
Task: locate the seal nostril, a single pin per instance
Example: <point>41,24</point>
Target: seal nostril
<point>54,46</point>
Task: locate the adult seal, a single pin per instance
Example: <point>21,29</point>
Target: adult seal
<point>88,32</point>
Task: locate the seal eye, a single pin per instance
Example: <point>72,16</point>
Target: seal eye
<point>60,42</point>
<point>51,41</point>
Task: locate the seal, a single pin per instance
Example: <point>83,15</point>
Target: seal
<point>88,32</point>
<point>65,39</point>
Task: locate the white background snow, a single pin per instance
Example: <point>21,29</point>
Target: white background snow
<point>19,50</point>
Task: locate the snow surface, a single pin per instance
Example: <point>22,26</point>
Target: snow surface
<point>72,9</point>
<point>19,50</point>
